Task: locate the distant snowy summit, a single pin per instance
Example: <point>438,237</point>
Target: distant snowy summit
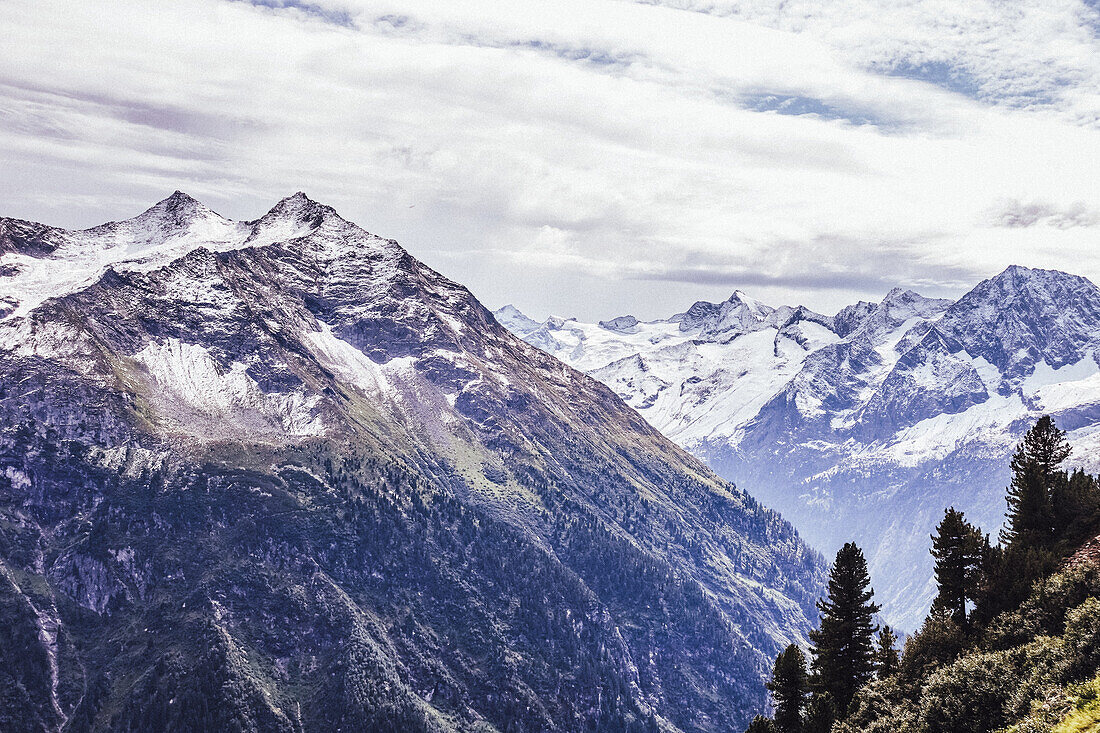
<point>864,424</point>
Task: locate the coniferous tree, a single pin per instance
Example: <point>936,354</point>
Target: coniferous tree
<point>1076,507</point>
<point>843,643</point>
<point>938,642</point>
<point>760,724</point>
<point>821,714</point>
<point>1007,578</point>
<point>959,548</point>
<point>886,654</point>
<point>1037,516</point>
<point>1030,520</point>
<point>790,686</point>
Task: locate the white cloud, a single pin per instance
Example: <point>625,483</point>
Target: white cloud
<point>1015,214</point>
<point>589,157</point>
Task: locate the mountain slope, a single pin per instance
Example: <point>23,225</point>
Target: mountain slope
<point>279,475</point>
<point>1034,668</point>
<point>866,424</point>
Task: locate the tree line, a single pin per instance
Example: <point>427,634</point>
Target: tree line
<point>1050,512</point>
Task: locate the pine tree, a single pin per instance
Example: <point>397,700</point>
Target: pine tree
<point>760,724</point>
<point>1029,521</point>
<point>1041,508</point>
<point>1075,502</point>
<point>886,654</point>
<point>820,715</point>
<point>842,645</point>
<point>790,685</point>
<point>959,548</point>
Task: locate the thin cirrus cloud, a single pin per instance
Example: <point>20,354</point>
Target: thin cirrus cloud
<point>587,157</point>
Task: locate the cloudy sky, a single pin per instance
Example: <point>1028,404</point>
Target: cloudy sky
<point>586,157</point>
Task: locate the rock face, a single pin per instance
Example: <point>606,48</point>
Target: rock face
<point>867,424</point>
<point>279,475</point>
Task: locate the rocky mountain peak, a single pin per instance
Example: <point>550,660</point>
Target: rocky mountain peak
<point>318,231</point>
<point>850,317</point>
<point>739,314</point>
<point>1024,316</point>
<point>906,301</point>
<point>1029,282</point>
<point>299,207</point>
<point>515,320</point>
<point>900,309</point>
<point>621,324</point>
<point>742,299</point>
<point>180,200</point>
<point>175,211</point>
<point>295,393</point>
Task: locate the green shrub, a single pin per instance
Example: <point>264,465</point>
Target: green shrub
<point>939,642</point>
<point>969,694</point>
<point>1042,666</point>
<point>1082,640</point>
<point>880,707</point>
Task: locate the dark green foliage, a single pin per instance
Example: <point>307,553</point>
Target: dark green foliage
<point>938,642</point>
<point>959,549</point>
<point>790,686</point>
<point>24,665</point>
<point>1035,627</point>
<point>880,707</point>
<point>1050,513</point>
<point>1076,508</point>
<point>1043,613</point>
<point>1082,640</point>
<point>208,692</point>
<point>1008,574</point>
<point>842,645</point>
<point>968,695</point>
<point>950,681</point>
<point>1030,519</point>
<point>820,714</point>
<point>982,691</point>
<point>886,654</point>
<point>760,724</point>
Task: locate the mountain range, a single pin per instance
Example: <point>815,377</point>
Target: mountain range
<point>278,475</point>
<point>866,424</point>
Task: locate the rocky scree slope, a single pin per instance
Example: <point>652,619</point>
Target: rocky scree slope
<point>279,475</point>
<point>863,425</point>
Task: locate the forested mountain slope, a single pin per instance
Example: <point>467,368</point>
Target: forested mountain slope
<point>279,475</point>
<point>1010,643</point>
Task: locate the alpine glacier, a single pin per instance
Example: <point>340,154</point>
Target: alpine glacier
<point>866,424</point>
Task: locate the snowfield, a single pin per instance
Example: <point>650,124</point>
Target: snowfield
<point>865,424</point>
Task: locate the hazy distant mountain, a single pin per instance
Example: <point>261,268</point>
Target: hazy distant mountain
<point>864,425</point>
<point>279,475</point>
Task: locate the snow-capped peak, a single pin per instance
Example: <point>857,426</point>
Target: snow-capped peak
<point>741,298</point>
<point>1025,316</point>
<point>178,217</point>
<point>301,208</point>
<point>294,216</point>
<point>738,315</point>
<point>180,207</point>
<point>515,320</point>
<point>166,231</point>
